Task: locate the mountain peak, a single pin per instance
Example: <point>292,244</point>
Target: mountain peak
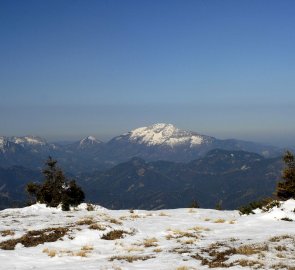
<point>28,140</point>
<point>165,134</point>
<point>89,140</point>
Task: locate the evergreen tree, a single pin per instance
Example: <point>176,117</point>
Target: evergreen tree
<point>56,189</point>
<point>194,204</point>
<point>286,188</point>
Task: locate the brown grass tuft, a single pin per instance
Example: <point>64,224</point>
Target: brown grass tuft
<point>219,220</point>
<point>115,221</point>
<point>113,235</point>
<point>150,242</point>
<point>7,233</point>
<point>81,253</point>
<point>131,258</point>
<point>34,238</point>
<point>50,252</point>
<point>87,248</point>
<point>96,226</point>
<point>85,221</point>
<point>281,237</point>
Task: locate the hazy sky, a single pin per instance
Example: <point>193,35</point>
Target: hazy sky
<point>75,68</point>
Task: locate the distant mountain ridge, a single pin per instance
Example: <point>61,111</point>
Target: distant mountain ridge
<point>233,178</point>
<point>156,142</point>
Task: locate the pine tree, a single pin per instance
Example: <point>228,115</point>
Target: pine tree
<point>56,189</point>
<point>286,188</point>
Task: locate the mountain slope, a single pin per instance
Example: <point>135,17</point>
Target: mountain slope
<point>12,185</point>
<point>234,178</point>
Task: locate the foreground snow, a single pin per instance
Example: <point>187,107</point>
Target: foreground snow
<point>166,239</point>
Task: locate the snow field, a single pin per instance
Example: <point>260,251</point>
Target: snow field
<point>166,239</point>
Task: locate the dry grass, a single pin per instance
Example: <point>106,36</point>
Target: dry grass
<point>219,220</point>
<point>34,238</point>
<point>232,222</point>
<point>113,235</point>
<point>200,228</point>
<point>82,253</point>
<point>96,226</point>
<point>50,252</point>
<point>182,268</point>
<point>192,210</point>
<point>87,248</point>
<point>281,255</point>
<point>248,263</point>
<point>66,252</point>
<point>217,254</point>
<point>7,233</point>
<point>150,242</point>
<point>135,216</point>
<point>281,248</point>
<point>189,241</point>
<point>282,266</point>
<point>90,207</point>
<point>248,250</point>
<point>114,221</point>
<point>176,234</point>
<point>157,250</point>
<point>134,249</point>
<point>217,257</point>
<point>281,237</point>
<point>181,250</point>
<point>132,217</point>
<point>162,214</point>
<point>130,258</point>
<point>85,221</point>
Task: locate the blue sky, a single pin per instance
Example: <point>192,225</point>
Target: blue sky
<point>221,68</point>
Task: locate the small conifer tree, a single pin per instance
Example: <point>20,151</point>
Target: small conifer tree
<point>56,189</point>
<point>286,188</point>
<point>194,204</point>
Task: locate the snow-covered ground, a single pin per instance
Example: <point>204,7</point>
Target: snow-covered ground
<point>166,239</point>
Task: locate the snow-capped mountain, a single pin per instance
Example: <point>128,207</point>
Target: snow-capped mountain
<point>27,151</point>
<point>155,142</point>
<point>88,141</point>
<point>167,142</point>
<point>28,141</point>
<point>24,141</point>
<point>160,141</point>
<point>2,143</point>
<point>166,134</point>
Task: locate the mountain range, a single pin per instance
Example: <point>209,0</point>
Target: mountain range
<point>153,167</point>
<point>155,142</point>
